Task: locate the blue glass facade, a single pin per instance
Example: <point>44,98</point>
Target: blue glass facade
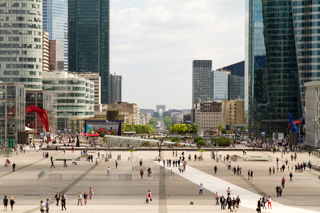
<point>271,70</point>
<point>201,81</point>
<point>55,22</point>
<point>235,69</point>
<point>220,85</point>
<point>88,39</point>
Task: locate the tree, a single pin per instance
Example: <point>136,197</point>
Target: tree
<point>176,128</point>
<point>166,114</point>
<point>195,128</point>
<point>223,130</point>
<point>168,122</point>
<point>183,128</point>
<point>189,128</point>
<point>199,141</point>
<point>153,121</point>
<point>127,127</point>
<point>219,127</point>
<point>156,114</point>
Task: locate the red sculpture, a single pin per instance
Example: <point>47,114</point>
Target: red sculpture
<point>42,114</point>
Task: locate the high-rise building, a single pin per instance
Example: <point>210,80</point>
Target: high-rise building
<point>271,73</point>
<point>21,42</point>
<point>220,87</point>
<point>45,51</point>
<point>201,81</point>
<point>56,58</point>
<point>115,88</point>
<point>55,20</point>
<point>235,69</point>
<point>88,40</point>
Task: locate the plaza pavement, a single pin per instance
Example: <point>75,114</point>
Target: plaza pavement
<point>171,192</point>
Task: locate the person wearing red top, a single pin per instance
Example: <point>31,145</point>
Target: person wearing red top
<point>149,196</point>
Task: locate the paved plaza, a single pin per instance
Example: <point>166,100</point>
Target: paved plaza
<point>171,191</point>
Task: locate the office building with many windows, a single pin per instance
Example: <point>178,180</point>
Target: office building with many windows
<point>220,87</point>
<point>74,97</point>
<point>201,81</point>
<point>115,88</point>
<point>55,22</point>
<point>271,73</point>
<point>88,40</point>
<point>21,42</point>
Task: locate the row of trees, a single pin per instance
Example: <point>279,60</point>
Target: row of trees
<point>168,122</point>
<point>139,128</point>
<point>153,121</point>
<point>185,128</point>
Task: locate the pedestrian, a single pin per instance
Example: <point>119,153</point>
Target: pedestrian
<point>234,203</point>
<point>149,197</point>
<point>273,170</point>
<point>200,189</point>
<point>116,164</point>
<point>5,203</point>
<point>12,202</point>
<point>229,202</point>
<point>278,190</point>
<point>283,181</point>
<point>52,165</point>
<point>57,196</point>
<point>47,206</point>
<point>290,175</point>
<point>65,163</point>
<point>215,169</point>
<point>14,167</point>
<point>234,170</point>
<point>63,203</point>
<point>269,170</point>
<point>229,191</point>
<point>223,202</point>
<point>249,173</point>
<point>140,162</point>
<point>91,193</point>
<point>42,206</point>
<point>269,203</point>
<point>85,197</point>
<point>238,202</point>
<point>217,198</point>
<point>259,205</point>
<point>108,171</point>
<point>141,173</point>
<point>80,199</point>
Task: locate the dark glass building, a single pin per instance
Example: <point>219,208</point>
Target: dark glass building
<point>201,81</point>
<point>271,71</point>
<point>235,69</point>
<point>88,39</point>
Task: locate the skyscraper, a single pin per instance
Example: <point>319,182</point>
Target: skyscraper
<point>220,87</point>
<point>271,74</point>
<point>201,81</point>
<point>115,88</point>
<point>55,20</point>
<point>88,39</point>
<point>21,42</point>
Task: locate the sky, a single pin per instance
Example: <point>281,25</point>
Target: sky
<point>153,44</point>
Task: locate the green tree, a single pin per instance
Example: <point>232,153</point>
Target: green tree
<point>176,128</point>
<point>199,141</point>
<point>223,130</point>
<point>153,121</point>
<point>156,114</point>
<point>166,114</point>
<point>195,128</point>
<point>219,126</point>
<point>127,127</point>
<point>183,128</point>
<point>189,128</point>
<point>168,122</point>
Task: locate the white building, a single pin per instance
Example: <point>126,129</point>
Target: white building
<point>312,113</point>
<point>74,96</point>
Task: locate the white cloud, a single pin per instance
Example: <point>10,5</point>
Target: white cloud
<point>153,43</point>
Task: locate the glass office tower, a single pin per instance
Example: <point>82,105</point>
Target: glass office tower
<point>55,18</point>
<point>21,42</point>
<point>271,68</point>
<point>306,19</point>
<point>88,39</point>
<point>201,81</point>
<point>221,81</point>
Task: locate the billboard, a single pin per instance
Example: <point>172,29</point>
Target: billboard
<point>263,134</point>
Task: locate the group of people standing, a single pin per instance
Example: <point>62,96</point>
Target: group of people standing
<point>7,201</point>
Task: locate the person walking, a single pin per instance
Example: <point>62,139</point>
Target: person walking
<point>234,203</point>
<point>47,206</point>
<point>149,197</point>
<point>217,198</point>
<point>80,199</point>
<point>63,203</point>
<point>238,202</point>
<point>52,165</point>
<point>249,173</point>
<point>283,182</point>
<point>85,197</point>
<point>57,196</point>
<point>42,206</point>
<point>200,189</point>
<point>223,202</point>
<point>91,193</point>
<point>215,169</point>
<point>12,202</point>
<point>116,164</point>
<point>65,163</point>
<point>13,167</point>
<point>141,173</point>
<point>269,203</point>
<point>229,191</point>
<point>290,175</point>
<point>229,202</point>
<point>269,170</point>
<point>259,205</point>
<point>108,173</point>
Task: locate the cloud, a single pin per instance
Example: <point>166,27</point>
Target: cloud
<point>153,43</point>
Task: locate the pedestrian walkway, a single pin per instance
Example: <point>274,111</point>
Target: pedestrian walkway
<point>248,199</point>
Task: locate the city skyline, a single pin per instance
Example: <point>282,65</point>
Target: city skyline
<point>171,35</point>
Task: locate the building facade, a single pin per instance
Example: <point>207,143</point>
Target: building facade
<point>88,40</point>
<point>56,56</point>
<point>233,115</point>
<point>45,51</point>
<point>21,42</point>
<point>271,73</point>
<point>236,87</point>
<point>312,114</point>
<point>74,97</point>
<point>220,87</point>
<point>236,69</point>
<point>94,77</point>
<point>12,112</point>
<point>55,21</point>
<point>115,88</point>
<point>128,112</point>
<point>201,81</point>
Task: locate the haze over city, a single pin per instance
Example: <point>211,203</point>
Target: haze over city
<point>153,44</point>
